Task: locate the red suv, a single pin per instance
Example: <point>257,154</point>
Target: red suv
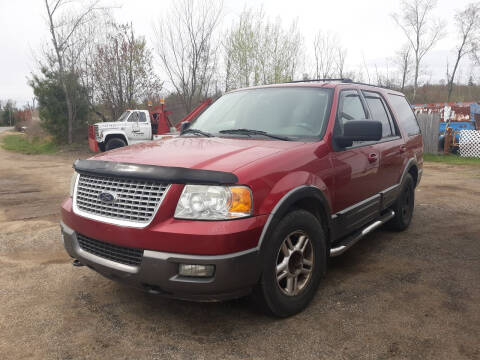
<point>253,197</point>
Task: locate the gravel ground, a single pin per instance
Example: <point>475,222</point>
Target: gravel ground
<point>404,295</point>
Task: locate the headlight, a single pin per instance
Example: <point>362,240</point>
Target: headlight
<point>72,183</point>
<point>204,202</point>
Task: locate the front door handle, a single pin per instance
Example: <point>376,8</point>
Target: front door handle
<point>372,157</point>
<point>403,148</point>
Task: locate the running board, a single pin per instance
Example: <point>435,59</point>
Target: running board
<point>353,239</point>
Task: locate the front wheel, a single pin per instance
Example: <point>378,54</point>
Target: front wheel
<point>294,263</point>
<point>115,143</point>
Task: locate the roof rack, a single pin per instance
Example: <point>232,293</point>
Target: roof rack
<point>343,80</point>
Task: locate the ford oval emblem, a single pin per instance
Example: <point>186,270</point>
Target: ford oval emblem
<point>107,197</point>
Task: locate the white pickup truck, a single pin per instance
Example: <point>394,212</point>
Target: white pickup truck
<point>135,126</point>
<point>132,127</point>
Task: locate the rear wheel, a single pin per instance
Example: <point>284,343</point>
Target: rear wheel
<point>404,205</point>
<point>293,264</point>
<point>114,143</point>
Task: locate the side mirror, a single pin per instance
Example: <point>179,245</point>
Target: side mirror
<point>359,130</point>
<point>184,126</point>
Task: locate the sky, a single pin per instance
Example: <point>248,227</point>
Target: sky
<point>365,28</point>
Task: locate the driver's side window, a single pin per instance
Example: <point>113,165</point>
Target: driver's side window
<point>133,117</point>
<point>350,108</point>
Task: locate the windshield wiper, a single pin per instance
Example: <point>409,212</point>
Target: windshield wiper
<point>250,132</point>
<point>196,132</point>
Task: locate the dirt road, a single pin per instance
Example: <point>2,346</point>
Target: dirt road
<point>404,295</point>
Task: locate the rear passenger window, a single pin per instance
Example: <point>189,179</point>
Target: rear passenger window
<point>404,114</point>
<point>379,112</point>
<point>143,117</point>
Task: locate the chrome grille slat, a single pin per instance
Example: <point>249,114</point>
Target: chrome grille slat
<point>136,200</point>
<point>117,253</point>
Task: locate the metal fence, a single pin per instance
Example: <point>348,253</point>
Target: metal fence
<point>430,128</point>
<point>469,143</point>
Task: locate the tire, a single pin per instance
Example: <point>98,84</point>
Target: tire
<point>114,143</point>
<point>404,206</point>
<point>282,298</point>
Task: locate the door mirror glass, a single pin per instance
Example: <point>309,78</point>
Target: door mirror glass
<point>359,130</point>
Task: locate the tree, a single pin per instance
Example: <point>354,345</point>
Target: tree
<point>340,60</point>
<point>187,48</point>
<point>403,60</point>
<point>122,69</point>
<point>8,111</point>
<point>468,23</point>
<point>325,52</point>
<point>258,51</point>
<point>52,102</point>
<point>421,29</point>
<point>62,31</point>
<point>241,49</point>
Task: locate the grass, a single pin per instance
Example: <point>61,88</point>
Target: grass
<point>22,144</point>
<point>451,159</point>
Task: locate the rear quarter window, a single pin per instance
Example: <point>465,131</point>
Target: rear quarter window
<point>405,115</point>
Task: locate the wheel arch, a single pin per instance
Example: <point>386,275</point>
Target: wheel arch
<point>111,135</point>
<point>412,169</point>
<point>306,197</point>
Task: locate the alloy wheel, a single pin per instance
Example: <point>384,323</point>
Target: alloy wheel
<point>295,261</point>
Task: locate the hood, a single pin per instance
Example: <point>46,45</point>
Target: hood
<point>221,154</point>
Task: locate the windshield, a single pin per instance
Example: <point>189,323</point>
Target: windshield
<point>124,116</point>
<point>293,112</point>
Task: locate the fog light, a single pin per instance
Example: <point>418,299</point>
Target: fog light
<point>196,270</point>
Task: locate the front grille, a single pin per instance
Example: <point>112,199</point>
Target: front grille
<point>97,132</point>
<point>135,201</point>
<point>120,254</point>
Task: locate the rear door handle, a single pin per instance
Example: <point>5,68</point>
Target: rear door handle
<point>403,148</point>
<point>372,157</point>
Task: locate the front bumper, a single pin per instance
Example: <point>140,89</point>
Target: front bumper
<point>234,276</point>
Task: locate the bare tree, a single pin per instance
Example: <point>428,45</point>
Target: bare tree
<point>421,29</point>
<point>403,61</point>
<point>340,61</point>
<point>63,27</point>
<point>325,52</point>
<point>187,48</point>
<point>467,22</point>
<point>123,73</point>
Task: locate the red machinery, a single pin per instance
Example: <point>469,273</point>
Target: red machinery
<point>159,116</point>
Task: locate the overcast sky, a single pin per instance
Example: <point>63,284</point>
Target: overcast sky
<point>365,28</point>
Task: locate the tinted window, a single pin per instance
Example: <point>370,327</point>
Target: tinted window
<point>350,108</point>
<point>143,117</point>
<point>404,114</point>
<point>379,112</point>
<point>293,111</point>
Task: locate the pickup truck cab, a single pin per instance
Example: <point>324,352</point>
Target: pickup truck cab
<point>252,198</point>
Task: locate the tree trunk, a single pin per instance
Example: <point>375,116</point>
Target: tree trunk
<point>415,81</point>
<point>62,76</point>
<point>452,78</point>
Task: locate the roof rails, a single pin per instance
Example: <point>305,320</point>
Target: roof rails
<point>343,80</point>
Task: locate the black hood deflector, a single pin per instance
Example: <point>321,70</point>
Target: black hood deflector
<point>166,174</point>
